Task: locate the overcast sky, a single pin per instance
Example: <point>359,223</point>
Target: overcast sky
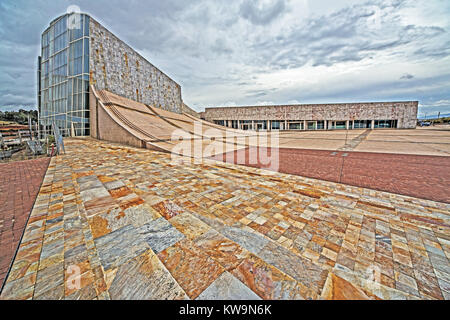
<point>246,52</point>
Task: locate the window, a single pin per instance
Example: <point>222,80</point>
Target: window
<point>339,125</point>
<point>311,125</point>
<point>76,22</point>
<point>86,56</point>
<point>295,124</point>
<point>379,124</point>
<point>86,26</point>
<point>65,73</point>
<point>362,124</point>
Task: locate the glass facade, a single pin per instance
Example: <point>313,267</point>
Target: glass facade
<point>64,80</point>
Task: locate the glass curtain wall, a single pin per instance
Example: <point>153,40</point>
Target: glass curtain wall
<point>65,75</point>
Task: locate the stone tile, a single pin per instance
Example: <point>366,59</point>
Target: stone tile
<point>86,293</point>
<point>249,240</point>
<point>119,246</point>
<point>111,185</point>
<point>226,252</point>
<point>184,258</point>
<point>159,234</point>
<point>20,289</point>
<point>95,193</point>
<point>268,282</point>
<point>300,269</point>
<point>227,287</point>
<point>142,278</point>
<point>168,209</point>
<point>52,282</point>
<point>116,218</point>
<point>51,294</point>
<point>189,225</point>
<point>337,288</point>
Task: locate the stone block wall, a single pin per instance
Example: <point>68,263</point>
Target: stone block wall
<point>116,67</point>
<point>405,112</point>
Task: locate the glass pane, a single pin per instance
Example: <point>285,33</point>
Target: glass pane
<point>86,25</point>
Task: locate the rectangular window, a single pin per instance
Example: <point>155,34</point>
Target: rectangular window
<point>339,125</point>
<point>295,124</point>
<point>86,56</point>
<point>76,22</point>
<point>275,124</point>
<point>379,124</point>
<point>86,26</point>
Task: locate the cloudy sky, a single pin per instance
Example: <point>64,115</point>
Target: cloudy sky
<point>247,52</point>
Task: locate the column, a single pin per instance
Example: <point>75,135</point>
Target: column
<point>325,127</point>
<point>239,124</point>
<point>253,124</point>
<point>347,124</point>
<point>304,124</point>
<point>372,125</point>
<point>285,125</point>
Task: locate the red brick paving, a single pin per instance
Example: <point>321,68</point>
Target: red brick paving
<point>420,176</point>
<point>19,185</point>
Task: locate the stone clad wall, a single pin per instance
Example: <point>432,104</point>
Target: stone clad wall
<point>116,67</point>
<point>405,112</point>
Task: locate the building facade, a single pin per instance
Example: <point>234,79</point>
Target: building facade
<point>76,52</point>
<point>370,115</point>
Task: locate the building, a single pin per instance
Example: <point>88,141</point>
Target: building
<point>76,52</point>
<point>370,115</point>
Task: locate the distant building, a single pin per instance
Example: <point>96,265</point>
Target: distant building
<point>370,115</point>
<point>77,51</point>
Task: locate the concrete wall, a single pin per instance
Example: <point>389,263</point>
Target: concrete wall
<point>405,112</point>
<point>103,127</point>
<point>116,67</point>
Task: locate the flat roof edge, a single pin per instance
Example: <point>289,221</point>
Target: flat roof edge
<point>311,104</point>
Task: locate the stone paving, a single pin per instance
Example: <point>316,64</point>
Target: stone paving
<point>135,225</point>
<point>19,186</point>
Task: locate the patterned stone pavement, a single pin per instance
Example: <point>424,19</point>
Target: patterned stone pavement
<point>134,225</point>
<point>19,186</point>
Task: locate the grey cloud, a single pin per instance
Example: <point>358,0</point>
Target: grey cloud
<point>344,36</point>
<point>406,76</point>
<point>220,47</point>
<point>261,15</point>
